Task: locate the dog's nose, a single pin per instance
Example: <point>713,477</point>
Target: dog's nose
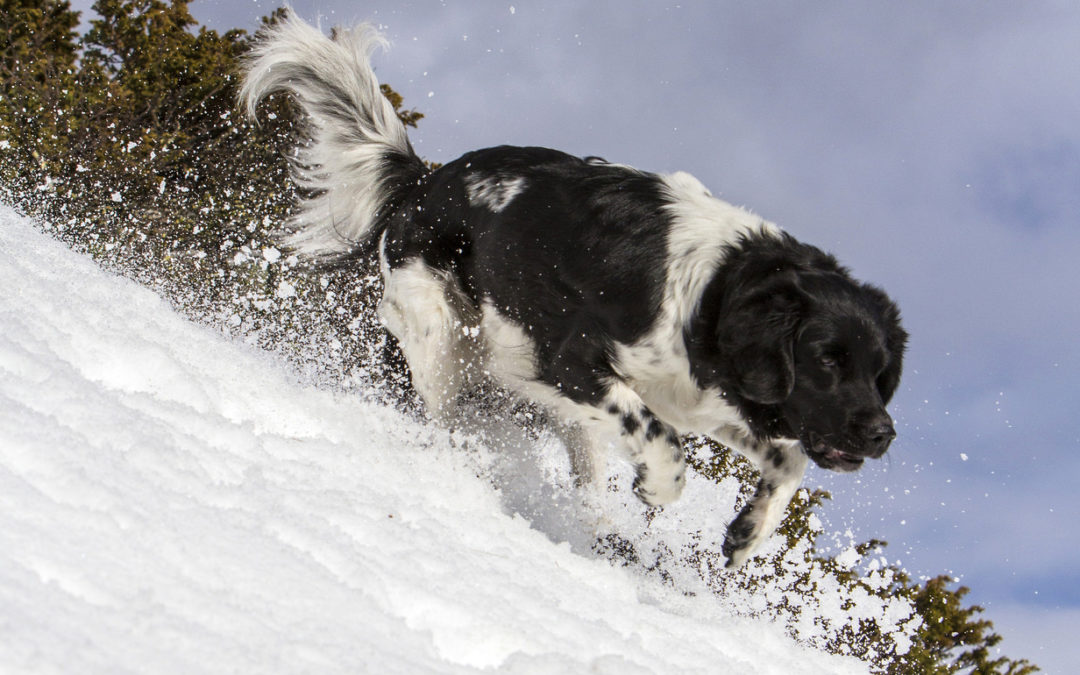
<point>882,433</point>
<point>879,436</point>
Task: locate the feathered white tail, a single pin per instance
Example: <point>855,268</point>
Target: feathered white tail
<point>358,160</point>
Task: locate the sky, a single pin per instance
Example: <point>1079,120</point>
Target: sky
<point>933,147</point>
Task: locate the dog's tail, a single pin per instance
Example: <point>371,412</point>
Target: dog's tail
<point>357,164</point>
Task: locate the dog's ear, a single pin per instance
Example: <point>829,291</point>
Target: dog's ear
<point>758,337</point>
<point>895,342</point>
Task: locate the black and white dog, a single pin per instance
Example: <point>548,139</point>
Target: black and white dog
<point>633,305</point>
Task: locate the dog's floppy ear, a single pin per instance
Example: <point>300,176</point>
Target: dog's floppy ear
<point>895,342</point>
<point>758,338</point>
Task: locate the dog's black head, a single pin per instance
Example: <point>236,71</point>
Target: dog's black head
<point>844,370</point>
<point>804,350</point>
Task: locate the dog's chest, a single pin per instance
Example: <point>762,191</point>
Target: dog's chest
<point>657,369</point>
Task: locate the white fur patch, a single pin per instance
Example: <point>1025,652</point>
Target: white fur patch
<point>702,226</point>
<point>510,354</point>
<point>493,192</point>
<point>431,320</point>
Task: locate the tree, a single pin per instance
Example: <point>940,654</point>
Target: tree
<point>37,65</point>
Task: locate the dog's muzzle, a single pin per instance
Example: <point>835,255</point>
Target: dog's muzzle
<point>848,454</point>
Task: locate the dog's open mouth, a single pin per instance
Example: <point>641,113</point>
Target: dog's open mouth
<point>828,457</point>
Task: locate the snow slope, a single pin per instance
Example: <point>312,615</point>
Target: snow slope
<point>172,502</point>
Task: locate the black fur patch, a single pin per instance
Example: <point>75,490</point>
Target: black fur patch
<point>775,457</point>
<point>576,258</point>
<point>655,429</point>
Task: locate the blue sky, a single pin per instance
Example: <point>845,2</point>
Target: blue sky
<point>934,147</point>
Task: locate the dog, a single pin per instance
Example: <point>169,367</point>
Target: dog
<point>632,305</point>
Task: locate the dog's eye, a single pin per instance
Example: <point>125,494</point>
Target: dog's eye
<point>829,361</point>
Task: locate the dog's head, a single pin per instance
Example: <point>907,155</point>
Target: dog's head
<point>814,355</point>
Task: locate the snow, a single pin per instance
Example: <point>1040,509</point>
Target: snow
<point>173,502</point>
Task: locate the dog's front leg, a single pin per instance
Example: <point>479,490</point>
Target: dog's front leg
<point>782,465</point>
<point>653,445</point>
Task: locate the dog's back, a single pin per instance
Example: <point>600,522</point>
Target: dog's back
<point>562,246</point>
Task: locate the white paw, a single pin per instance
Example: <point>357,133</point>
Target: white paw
<point>656,488</point>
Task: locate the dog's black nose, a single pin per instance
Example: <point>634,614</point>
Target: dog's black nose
<point>882,433</point>
<point>879,436</point>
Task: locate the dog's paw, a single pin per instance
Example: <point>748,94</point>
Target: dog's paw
<point>655,489</point>
<point>743,537</point>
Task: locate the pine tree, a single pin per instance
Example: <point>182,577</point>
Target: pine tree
<point>37,68</point>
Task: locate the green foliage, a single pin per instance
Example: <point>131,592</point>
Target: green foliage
<point>162,85</point>
<point>950,628</point>
<point>938,635</point>
<point>36,75</point>
<point>127,144</point>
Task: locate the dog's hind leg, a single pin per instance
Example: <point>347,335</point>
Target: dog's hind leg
<point>424,309</point>
<point>586,459</point>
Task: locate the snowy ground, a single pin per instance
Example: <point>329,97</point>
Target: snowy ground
<point>173,502</point>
